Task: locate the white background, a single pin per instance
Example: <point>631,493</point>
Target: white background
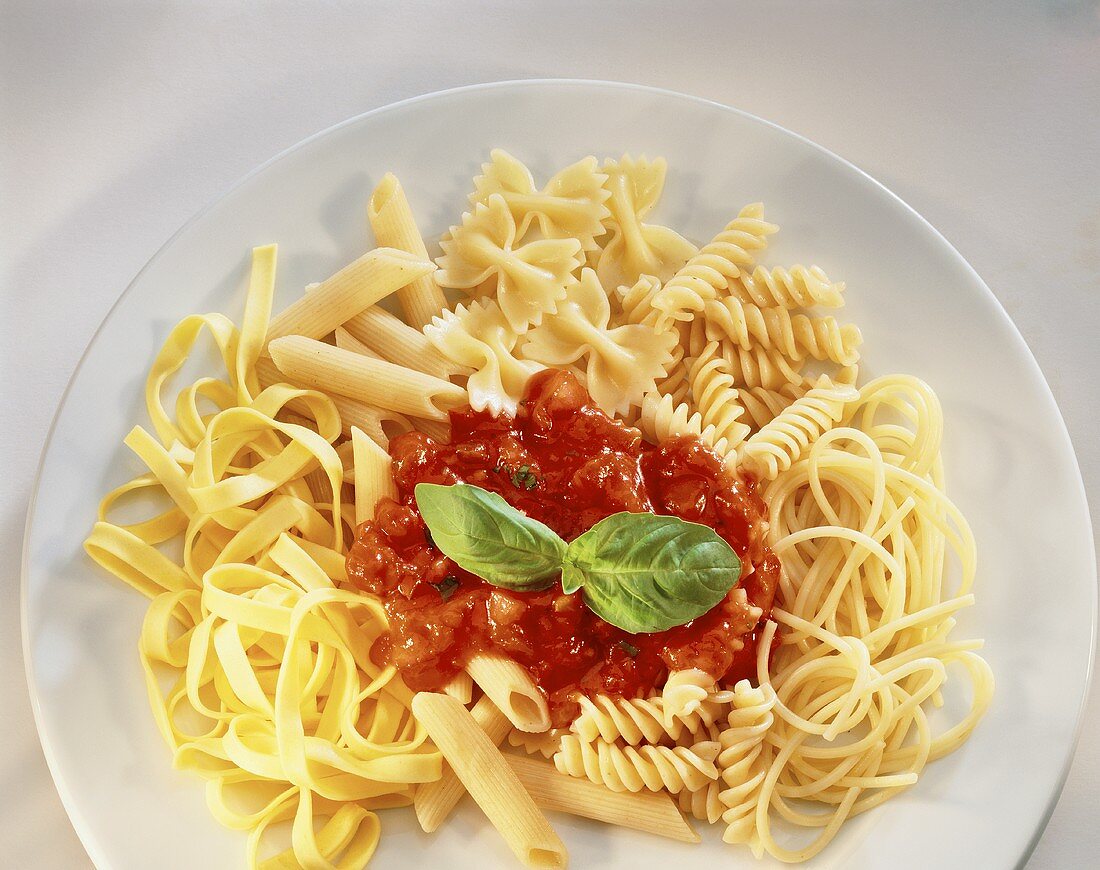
<point>119,120</point>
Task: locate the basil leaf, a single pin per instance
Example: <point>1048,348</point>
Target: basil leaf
<point>646,573</point>
<point>480,532</point>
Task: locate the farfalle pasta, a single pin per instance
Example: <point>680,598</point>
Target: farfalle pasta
<point>569,206</point>
<point>634,247</point>
<point>529,278</point>
<point>479,338</point>
<point>622,363</point>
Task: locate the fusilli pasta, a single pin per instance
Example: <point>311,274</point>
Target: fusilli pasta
<point>796,336</point>
<point>629,768</point>
<point>708,274</point>
<point>781,443</point>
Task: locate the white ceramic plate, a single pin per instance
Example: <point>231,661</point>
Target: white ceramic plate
<point>923,310</point>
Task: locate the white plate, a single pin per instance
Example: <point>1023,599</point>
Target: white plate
<point>923,310</point>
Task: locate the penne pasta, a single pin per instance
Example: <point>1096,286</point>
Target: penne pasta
<point>373,480</point>
<point>486,775</point>
<point>434,801</point>
<point>379,423</point>
<point>512,690</point>
<point>393,224</point>
<point>388,337</point>
<point>652,812</point>
<point>321,366</point>
<point>360,284</point>
<point>461,688</point>
<point>346,341</point>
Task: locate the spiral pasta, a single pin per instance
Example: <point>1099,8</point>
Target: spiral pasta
<point>796,287</point>
<point>709,273</point>
<point>544,743</point>
<point>762,405</point>
<point>684,692</point>
<point>636,301</point>
<point>740,762</point>
<point>780,443</point>
<point>760,367</point>
<point>640,720</point>
<point>663,418</point>
<point>714,394</point>
<point>794,335</point>
<point>629,768</point>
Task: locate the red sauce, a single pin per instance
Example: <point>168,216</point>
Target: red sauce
<point>566,463</point>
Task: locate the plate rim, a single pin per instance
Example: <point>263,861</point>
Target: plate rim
<point>86,835</point>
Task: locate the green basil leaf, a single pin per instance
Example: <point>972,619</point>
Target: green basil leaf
<point>480,532</point>
<point>646,573</point>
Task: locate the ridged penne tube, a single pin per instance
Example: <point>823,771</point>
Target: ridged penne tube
<point>358,285</point>
<point>434,801</point>
<point>391,339</point>
<point>461,687</point>
<point>558,792</point>
<point>380,423</point>
<point>321,366</point>
<point>346,341</point>
<point>490,781</point>
<point>394,226</point>
<point>512,690</point>
<point>373,479</point>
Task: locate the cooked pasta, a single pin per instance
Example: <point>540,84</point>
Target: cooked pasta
<point>796,287</point>
<point>640,720</point>
<point>780,443</point>
<point>530,277</point>
<point>797,336</point>
<point>623,363</point>
<point>491,782</point>
<point>642,811</point>
<point>433,801</point>
<point>359,285</point>
<point>709,273</point>
<point>569,206</point>
<point>662,418</point>
<point>741,761</point>
<point>545,743</point>
<point>636,248</point>
<point>374,382</point>
<point>391,339</point>
<point>630,768</point>
<point>373,476</point>
<point>392,220</point>
<point>512,690</point>
<point>282,644</point>
<point>714,394</point>
<point>477,338</point>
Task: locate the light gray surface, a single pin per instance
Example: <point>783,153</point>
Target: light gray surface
<point>119,121</point>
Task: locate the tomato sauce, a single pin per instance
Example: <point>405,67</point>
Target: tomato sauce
<point>563,461</point>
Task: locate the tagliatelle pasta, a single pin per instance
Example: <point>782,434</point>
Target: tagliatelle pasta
<point>315,651</point>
